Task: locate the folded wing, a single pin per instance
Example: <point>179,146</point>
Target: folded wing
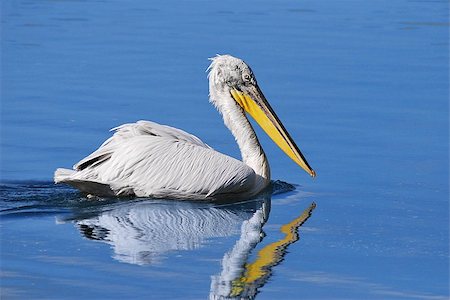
<point>149,159</point>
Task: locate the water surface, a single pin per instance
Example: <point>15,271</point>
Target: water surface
<point>362,87</point>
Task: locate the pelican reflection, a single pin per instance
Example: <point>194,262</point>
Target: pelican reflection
<point>144,232</point>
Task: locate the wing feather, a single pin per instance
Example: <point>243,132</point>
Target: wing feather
<point>130,130</point>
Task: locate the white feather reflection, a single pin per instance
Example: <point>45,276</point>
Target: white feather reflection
<point>142,232</point>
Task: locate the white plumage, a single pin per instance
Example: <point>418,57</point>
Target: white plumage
<point>146,159</point>
<point>153,152</point>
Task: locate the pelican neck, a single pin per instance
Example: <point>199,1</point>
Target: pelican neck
<point>251,151</point>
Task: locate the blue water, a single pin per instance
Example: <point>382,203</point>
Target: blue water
<point>363,88</point>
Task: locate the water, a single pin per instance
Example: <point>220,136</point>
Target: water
<point>362,87</point>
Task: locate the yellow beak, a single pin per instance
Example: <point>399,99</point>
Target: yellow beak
<point>254,103</point>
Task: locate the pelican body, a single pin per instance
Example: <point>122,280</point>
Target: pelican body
<point>146,159</point>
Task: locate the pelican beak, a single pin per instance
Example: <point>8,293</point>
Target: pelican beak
<point>252,100</point>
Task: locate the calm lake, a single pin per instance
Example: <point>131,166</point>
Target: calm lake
<point>362,86</point>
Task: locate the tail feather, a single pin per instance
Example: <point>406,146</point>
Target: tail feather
<point>63,175</point>
<point>90,186</point>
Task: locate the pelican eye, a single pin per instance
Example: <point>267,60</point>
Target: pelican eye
<point>247,77</point>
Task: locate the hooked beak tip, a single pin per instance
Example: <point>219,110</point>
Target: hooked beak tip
<point>313,174</point>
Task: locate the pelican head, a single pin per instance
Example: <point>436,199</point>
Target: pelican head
<point>233,86</point>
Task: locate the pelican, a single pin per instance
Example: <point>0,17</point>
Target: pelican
<point>146,159</point>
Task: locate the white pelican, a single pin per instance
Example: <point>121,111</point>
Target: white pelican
<point>146,159</point>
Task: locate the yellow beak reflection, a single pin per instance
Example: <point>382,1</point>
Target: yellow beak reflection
<point>253,102</point>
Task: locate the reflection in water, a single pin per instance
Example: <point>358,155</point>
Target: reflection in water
<point>241,280</point>
<point>143,232</point>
